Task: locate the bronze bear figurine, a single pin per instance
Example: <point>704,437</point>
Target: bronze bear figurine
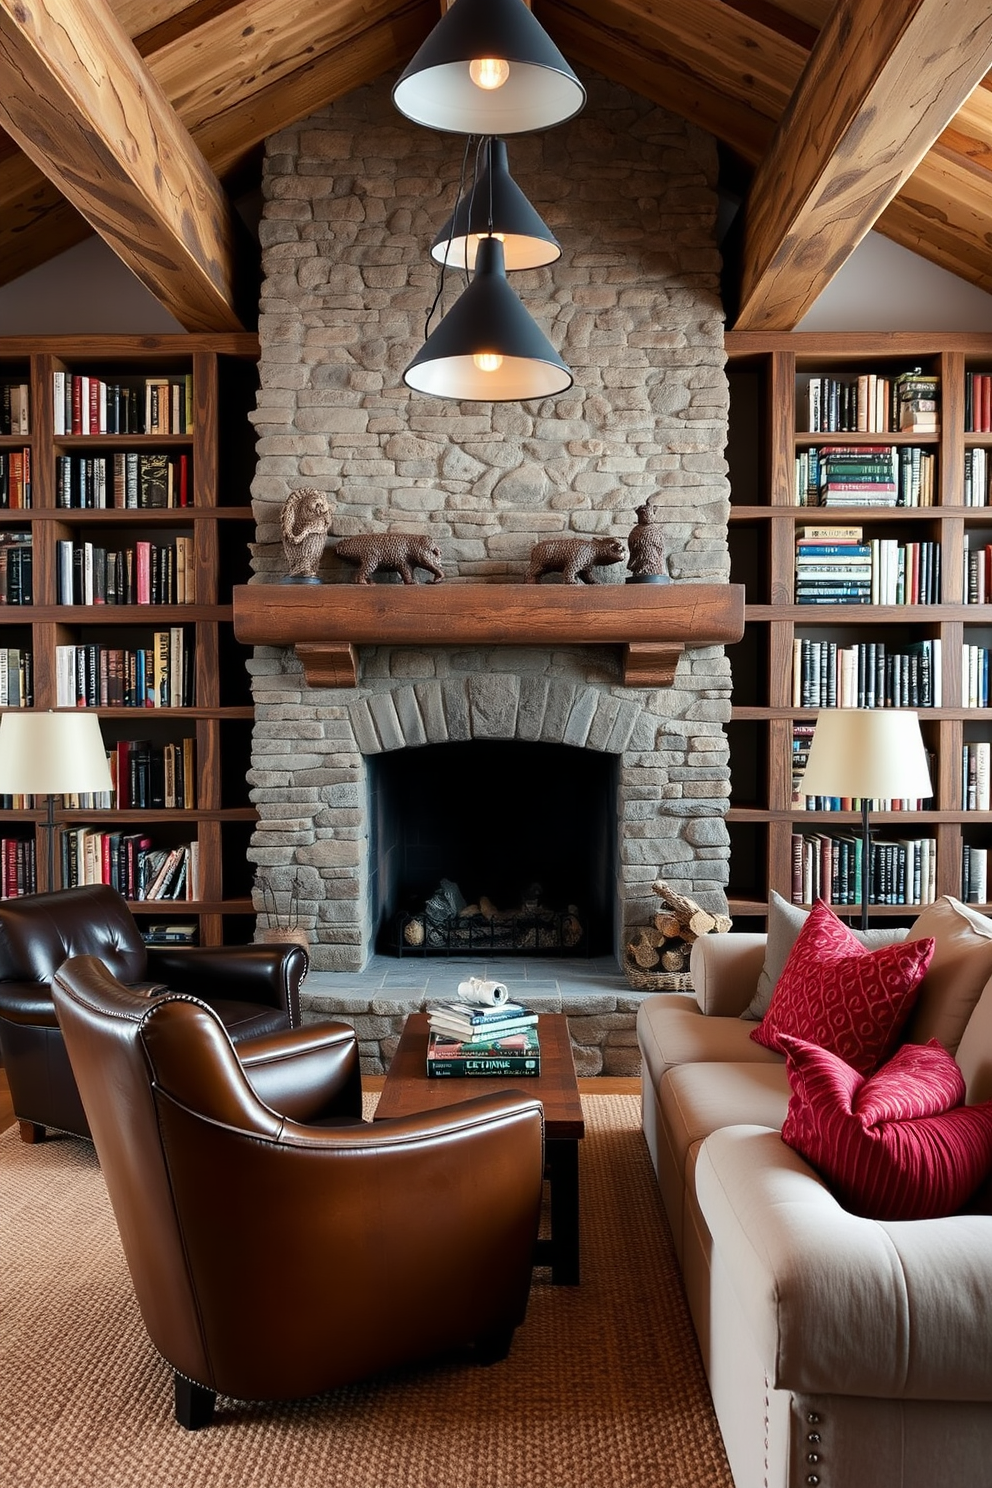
<point>393,552</point>
<point>574,557</point>
<point>646,543</point>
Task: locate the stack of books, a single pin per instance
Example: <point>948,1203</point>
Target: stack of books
<point>468,1040</point>
<point>834,567</point>
<point>917,396</point>
<point>858,475</point>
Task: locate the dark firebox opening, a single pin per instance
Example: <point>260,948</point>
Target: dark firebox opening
<point>509,823</point>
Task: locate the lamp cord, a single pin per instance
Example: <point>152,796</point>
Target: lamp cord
<point>451,232</point>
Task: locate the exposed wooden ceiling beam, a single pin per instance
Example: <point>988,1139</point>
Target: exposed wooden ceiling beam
<point>710,44</point>
<point>293,63</point>
<point>231,84</point>
<point>884,79</point>
<point>77,98</point>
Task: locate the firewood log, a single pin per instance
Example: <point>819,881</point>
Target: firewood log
<point>670,925</point>
<point>680,904</point>
<point>644,949</point>
<point>673,959</point>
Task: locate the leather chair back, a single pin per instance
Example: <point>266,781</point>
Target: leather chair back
<point>40,931</point>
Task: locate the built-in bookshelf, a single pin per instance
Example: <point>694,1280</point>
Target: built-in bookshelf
<point>861,527</point>
<point>125,466</point>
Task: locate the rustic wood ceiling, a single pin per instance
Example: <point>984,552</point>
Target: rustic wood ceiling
<point>131,117</point>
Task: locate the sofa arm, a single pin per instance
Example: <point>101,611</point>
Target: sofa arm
<point>725,971</point>
<point>840,1304</point>
<point>267,974</point>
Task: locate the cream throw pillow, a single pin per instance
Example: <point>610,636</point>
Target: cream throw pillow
<point>957,974</point>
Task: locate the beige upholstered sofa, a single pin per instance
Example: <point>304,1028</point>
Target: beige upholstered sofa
<point>840,1351</point>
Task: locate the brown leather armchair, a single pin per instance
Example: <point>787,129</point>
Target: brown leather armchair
<point>254,989</point>
<point>278,1246</point>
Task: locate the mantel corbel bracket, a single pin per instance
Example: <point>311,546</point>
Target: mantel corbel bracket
<point>326,664</point>
<point>646,664</point>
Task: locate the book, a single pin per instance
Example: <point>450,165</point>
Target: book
<point>525,1041</point>
<point>447,1064</point>
<point>457,1028</point>
<point>169,934</point>
<point>476,1016</point>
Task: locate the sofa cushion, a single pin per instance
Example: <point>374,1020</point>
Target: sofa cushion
<point>960,968</point>
<point>896,1145</point>
<point>671,1030</point>
<point>835,993</point>
<point>785,921</point>
<point>697,1099</point>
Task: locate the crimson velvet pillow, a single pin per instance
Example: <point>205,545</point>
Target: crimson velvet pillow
<point>835,993</point>
<point>896,1145</point>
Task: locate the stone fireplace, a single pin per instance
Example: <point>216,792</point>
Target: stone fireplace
<point>636,776</point>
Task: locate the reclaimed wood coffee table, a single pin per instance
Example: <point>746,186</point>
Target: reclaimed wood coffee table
<point>407,1090</point>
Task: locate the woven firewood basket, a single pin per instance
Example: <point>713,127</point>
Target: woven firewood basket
<point>655,981</point>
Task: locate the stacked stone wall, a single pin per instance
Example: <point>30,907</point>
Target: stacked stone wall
<point>354,196</point>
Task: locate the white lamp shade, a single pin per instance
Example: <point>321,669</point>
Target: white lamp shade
<point>871,753</point>
<point>52,753</point>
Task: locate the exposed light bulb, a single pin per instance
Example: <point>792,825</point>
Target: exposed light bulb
<point>489,72</point>
<point>487,361</point>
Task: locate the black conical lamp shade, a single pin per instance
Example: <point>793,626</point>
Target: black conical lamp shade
<point>496,206</point>
<point>487,348</point>
<point>539,88</point>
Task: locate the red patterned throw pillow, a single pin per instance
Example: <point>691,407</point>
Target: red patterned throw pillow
<point>896,1145</point>
<point>835,993</point>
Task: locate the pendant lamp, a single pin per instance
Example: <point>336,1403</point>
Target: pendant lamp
<point>488,67</point>
<point>495,207</point>
<point>487,348</point>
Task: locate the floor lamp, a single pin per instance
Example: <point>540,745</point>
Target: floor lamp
<point>52,754</point>
<point>871,754</point>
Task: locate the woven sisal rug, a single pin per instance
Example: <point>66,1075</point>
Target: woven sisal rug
<point>603,1385</point>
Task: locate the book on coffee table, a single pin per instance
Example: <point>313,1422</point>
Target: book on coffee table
<point>517,1054</point>
<point>461,1020</point>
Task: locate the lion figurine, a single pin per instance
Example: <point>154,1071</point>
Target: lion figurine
<point>304,521</point>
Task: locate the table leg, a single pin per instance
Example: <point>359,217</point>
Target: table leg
<point>562,1250</point>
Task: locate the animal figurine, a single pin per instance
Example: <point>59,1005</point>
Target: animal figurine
<point>392,552</point>
<point>304,521</point>
<point>646,544</point>
<point>574,557</point>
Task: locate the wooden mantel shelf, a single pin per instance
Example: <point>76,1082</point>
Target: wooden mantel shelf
<point>654,623</point>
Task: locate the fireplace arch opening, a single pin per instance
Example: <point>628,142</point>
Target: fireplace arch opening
<point>486,847</point>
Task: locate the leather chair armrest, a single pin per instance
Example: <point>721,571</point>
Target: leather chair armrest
<point>309,1074</point>
<point>29,1003</point>
<point>266,974</point>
